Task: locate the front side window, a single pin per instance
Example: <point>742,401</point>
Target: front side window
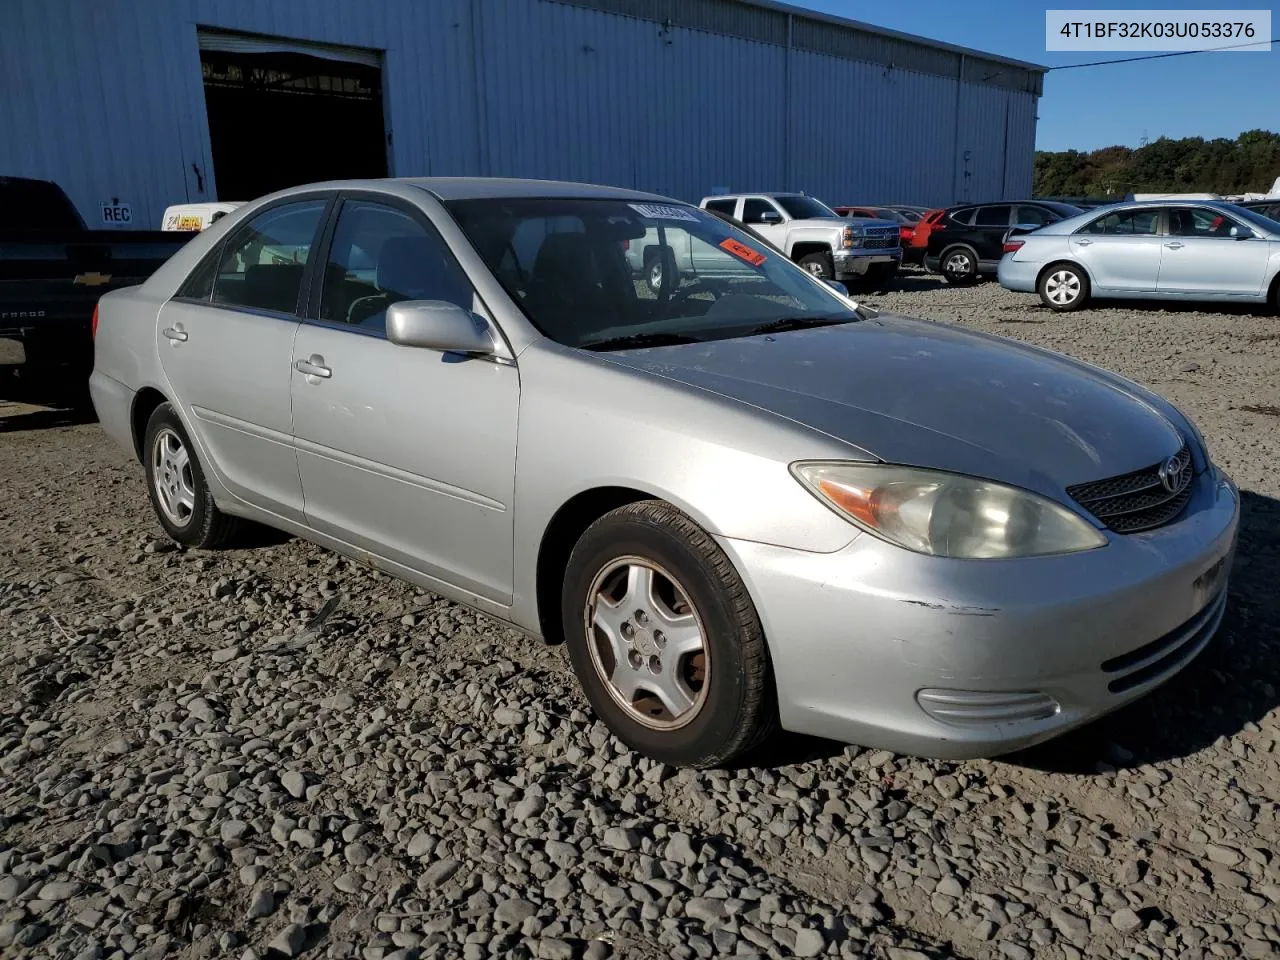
<point>755,208</point>
<point>1126,223</point>
<point>804,208</point>
<point>380,256</point>
<point>995,216</point>
<point>263,261</point>
<point>582,271</point>
<point>1199,222</point>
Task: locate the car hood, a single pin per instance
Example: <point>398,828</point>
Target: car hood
<point>931,395</point>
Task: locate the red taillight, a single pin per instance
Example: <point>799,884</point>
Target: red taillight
<point>626,244</point>
<point>1013,246</point>
<point>93,326</point>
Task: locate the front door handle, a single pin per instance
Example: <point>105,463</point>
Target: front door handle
<point>175,333</point>
<point>1175,245</point>
<point>313,366</point>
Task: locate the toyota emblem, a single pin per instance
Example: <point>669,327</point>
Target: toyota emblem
<point>1171,475</point>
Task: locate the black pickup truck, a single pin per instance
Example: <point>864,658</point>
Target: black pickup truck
<point>53,270</point>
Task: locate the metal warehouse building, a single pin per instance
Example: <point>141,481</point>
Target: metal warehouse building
<point>152,102</point>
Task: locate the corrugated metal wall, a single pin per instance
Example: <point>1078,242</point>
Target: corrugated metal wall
<point>106,98</point>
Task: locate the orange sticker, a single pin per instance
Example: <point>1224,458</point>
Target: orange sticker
<point>742,251</point>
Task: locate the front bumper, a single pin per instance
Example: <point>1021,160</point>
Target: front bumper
<point>857,263</point>
<point>957,659</point>
<point>1020,275</point>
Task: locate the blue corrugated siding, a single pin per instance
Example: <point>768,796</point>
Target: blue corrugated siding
<point>107,99</point>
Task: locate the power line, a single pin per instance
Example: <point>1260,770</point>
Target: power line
<point>1161,56</point>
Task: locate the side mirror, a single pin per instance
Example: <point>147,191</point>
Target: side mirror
<point>1242,233</point>
<point>437,325</point>
<point>770,216</point>
<point>838,287</point>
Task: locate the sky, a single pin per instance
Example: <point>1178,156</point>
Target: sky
<point>1204,95</point>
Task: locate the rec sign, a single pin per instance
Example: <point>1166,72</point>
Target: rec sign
<point>116,214</point>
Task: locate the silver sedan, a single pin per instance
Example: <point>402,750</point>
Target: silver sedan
<point>740,498</point>
<point>1154,250</point>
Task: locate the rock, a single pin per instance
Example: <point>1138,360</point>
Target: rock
<point>233,830</point>
<point>201,709</point>
<point>949,886</point>
<point>705,909</point>
<point>58,890</point>
<point>262,903</point>
<point>597,950</point>
<point>507,717</point>
<point>621,838</point>
<point>10,887</point>
<point>553,948</point>
<point>420,844</point>
<point>1227,856</point>
<point>1014,951</point>
<point>514,912</point>
<point>1126,920</point>
<point>1070,926</point>
<point>294,783</point>
<point>679,850</point>
<point>440,872</point>
<point>289,941</point>
<point>227,654</point>
<point>1189,367</point>
<point>809,943</point>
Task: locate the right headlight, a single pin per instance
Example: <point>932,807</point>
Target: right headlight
<point>947,514</point>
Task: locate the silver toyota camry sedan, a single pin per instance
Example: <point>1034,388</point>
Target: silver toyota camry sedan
<point>742,500</point>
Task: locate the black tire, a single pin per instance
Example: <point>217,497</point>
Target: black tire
<point>1063,287</point>
<point>736,710</point>
<point>655,272</point>
<point>202,524</point>
<point>819,264</point>
<point>959,265</point>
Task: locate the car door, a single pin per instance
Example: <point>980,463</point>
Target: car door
<point>1121,250</point>
<point>226,344</point>
<point>1209,252</point>
<point>990,224</point>
<point>764,216</point>
<point>406,452</point>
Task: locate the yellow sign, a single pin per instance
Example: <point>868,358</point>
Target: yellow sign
<point>92,279</point>
<point>190,223</point>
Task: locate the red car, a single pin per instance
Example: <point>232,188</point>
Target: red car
<point>914,224</point>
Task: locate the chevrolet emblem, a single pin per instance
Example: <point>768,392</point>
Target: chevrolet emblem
<point>92,279</point>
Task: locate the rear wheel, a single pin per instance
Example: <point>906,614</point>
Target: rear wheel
<point>819,264</point>
<point>959,265</point>
<point>664,638</point>
<point>1064,287</point>
<point>654,273</point>
<point>177,487</point>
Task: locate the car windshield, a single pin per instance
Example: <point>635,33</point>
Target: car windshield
<point>1257,219</point>
<point>603,273</point>
<point>804,208</point>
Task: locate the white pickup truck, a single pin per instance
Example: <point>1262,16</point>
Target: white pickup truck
<point>854,250</point>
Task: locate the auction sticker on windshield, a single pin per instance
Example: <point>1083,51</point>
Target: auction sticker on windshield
<point>742,251</point>
<point>660,211</point>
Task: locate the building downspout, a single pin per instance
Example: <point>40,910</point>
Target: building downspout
<point>482,114</point>
<point>955,142</point>
<point>788,173</point>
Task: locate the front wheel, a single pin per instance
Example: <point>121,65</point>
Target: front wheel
<point>655,274</point>
<point>177,487</point>
<point>1064,287</point>
<point>664,638</point>
<point>819,264</point>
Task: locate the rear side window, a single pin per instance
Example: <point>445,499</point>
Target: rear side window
<point>1037,215</point>
<point>1126,223</point>
<point>722,206</point>
<point>381,256</point>
<point>997,216</point>
<point>199,284</point>
<point>964,216</point>
<point>263,261</point>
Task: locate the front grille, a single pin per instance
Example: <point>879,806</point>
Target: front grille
<point>1141,500</point>
<point>879,243</point>
<point>883,232</point>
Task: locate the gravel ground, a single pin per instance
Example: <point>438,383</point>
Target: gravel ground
<point>272,752</point>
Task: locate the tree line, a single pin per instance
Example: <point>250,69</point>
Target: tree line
<point>1248,164</point>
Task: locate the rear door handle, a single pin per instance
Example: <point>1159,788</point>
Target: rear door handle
<point>1084,242</point>
<point>175,334</point>
<point>1175,245</point>
<point>313,367</point>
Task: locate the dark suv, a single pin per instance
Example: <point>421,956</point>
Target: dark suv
<point>1268,208</point>
<point>968,241</point>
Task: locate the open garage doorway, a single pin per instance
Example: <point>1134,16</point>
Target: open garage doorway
<point>283,113</point>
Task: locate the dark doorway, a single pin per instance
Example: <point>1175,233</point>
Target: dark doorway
<point>280,119</point>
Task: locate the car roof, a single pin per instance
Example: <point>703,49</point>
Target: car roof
<point>489,188</point>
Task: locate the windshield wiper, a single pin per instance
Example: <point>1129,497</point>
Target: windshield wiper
<point>639,340</point>
<point>797,323</point>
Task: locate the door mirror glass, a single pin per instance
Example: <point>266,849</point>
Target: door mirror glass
<point>770,216</point>
<point>437,325</point>
<point>1242,233</point>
